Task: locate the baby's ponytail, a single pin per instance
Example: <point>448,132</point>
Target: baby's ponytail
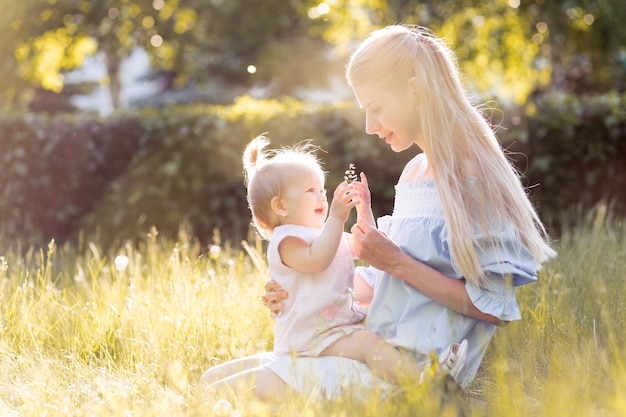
<point>253,156</point>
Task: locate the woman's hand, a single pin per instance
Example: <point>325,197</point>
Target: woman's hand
<point>373,246</point>
<point>274,293</point>
<point>364,207</point>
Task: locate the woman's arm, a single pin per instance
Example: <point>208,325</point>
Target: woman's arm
<point>364,208</point>
<point>375,248</point>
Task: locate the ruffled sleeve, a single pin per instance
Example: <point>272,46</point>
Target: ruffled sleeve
<point>507,264</point>
<point>496,297</point>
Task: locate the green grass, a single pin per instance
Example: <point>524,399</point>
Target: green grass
<point>80,337</point>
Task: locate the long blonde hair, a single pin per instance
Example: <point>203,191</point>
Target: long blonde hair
<point>266,173</point>
<point>459,143</point>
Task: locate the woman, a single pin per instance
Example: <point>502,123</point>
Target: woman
<point>463,233</point>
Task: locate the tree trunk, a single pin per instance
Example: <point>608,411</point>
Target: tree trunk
<point>113,62</point>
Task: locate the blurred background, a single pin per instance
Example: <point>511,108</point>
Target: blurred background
<point>120,115</point>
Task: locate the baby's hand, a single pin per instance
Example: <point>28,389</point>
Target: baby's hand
<point>344,200</point>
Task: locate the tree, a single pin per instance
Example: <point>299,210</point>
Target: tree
<point>196,40</point>
<point>582,40</point>
<point>35,48</point>
<point>507,48</point>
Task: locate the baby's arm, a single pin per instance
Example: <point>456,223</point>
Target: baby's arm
<point>317,256</point>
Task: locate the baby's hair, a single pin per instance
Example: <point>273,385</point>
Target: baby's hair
<point>266,173</point>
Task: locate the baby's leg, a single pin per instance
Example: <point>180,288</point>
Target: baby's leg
<point>265,384</point>
<point>229,368</point>
<point>386,361</point>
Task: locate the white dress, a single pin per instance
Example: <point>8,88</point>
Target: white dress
<point>320,308</point>
<point>407,318</point>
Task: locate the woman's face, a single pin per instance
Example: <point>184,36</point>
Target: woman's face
<point>390,113</point>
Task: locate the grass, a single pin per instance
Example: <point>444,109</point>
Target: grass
<point>84,335</point>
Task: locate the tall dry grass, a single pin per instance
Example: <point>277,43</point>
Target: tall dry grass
<point>85,334</point>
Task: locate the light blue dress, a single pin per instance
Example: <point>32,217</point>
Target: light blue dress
<point>407,318</point>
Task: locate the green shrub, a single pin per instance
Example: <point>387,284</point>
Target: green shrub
<point>54,169</point>
<point>575,150</point>
<point>190,168</point>
<point>122,174</point>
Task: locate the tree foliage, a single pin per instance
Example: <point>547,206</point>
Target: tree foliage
<point>195,39</point>
<point>507,48</point>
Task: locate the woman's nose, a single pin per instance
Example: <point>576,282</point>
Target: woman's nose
<point>371,124</point>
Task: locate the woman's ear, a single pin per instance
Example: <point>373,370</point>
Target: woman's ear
<point>278,207</point>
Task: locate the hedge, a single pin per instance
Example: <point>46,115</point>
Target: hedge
<point>573,152</point>
<point>115,177</point>
<point>166,167</point>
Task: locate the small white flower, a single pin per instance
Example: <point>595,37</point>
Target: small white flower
<point>121,262</point>
<point>214,251</point>
<point>80,275</point>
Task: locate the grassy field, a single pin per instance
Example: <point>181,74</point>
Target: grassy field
<point>87,333</point>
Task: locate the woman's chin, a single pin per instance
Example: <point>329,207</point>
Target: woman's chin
<point>399,147</point>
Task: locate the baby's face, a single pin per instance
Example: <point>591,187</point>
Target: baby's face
<point>304,200</point>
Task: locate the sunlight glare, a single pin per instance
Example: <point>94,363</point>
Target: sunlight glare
<point>113,13</point>
<point>156,41</point>
<point>148,22</point>
<point>319,11</point>
<point>542,27</point>
<point>323,8</point>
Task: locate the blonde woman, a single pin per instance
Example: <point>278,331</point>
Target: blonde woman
<point>463,233</point>
<point>310,255</point>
